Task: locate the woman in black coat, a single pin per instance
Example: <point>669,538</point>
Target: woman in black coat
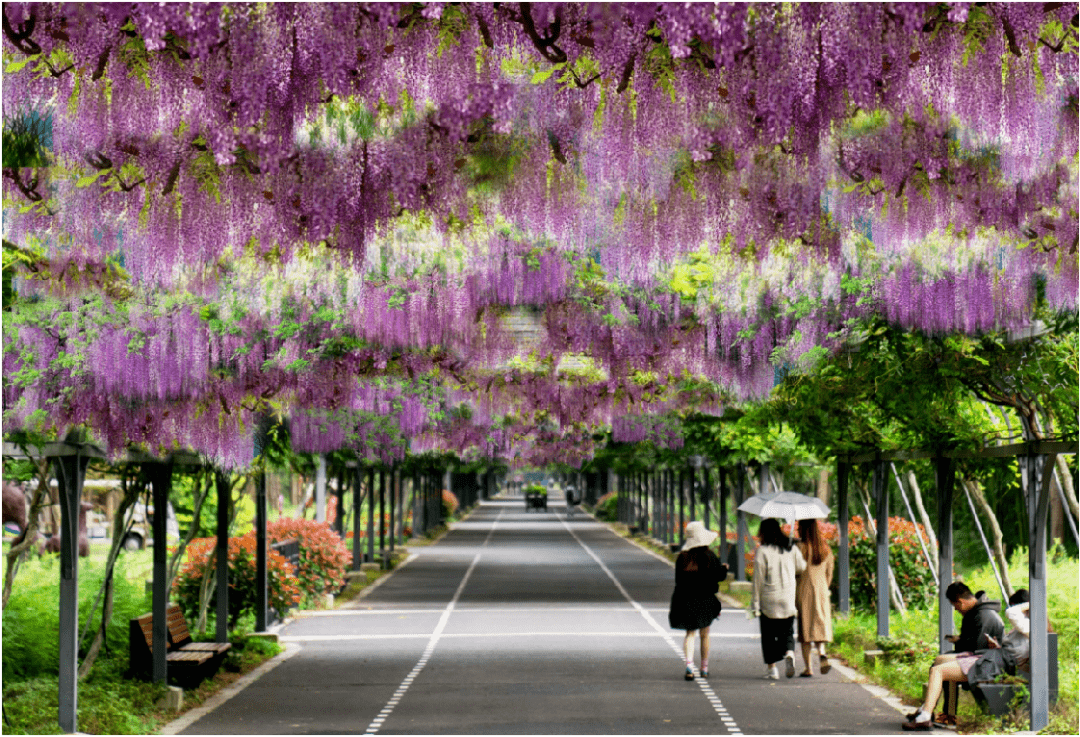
<point>698,573</point>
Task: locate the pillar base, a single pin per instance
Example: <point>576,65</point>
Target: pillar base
<point>173,700</point>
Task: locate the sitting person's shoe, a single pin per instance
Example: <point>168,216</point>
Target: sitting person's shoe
<point>689,674</point>
<point>919,721</point>
<point>944,720</point>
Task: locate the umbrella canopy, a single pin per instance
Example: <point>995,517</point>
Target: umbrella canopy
<point>786,505</point>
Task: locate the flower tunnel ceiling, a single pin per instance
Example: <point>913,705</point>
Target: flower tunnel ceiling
<point>503,229</point>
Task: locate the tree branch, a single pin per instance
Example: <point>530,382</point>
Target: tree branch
<point>1010,36</point>
<point>21,38</point>
<point>627,73</point>
<point>29,189</point>
<point>545,45</point>
<point>102,62</point>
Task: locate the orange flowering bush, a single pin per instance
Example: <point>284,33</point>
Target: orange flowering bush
<point>324,557</point>
<point>913,576</point>
<point>449,503</point>
<point>283,590</point>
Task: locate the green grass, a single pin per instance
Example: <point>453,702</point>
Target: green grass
<point>108,703</point>
<point>913,639</point>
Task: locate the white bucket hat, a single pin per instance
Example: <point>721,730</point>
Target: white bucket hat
<point>697,535</point>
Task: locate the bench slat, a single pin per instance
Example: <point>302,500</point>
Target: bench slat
<point>210,647</point>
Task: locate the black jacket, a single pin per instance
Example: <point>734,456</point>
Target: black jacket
<point>981,620</point>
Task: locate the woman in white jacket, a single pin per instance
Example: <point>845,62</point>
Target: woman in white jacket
<point>776,564</point>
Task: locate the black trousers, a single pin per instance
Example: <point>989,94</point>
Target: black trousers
<point>777,637</point>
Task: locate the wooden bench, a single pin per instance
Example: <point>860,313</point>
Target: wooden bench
<point>193,660</point>
<point>996,698</point>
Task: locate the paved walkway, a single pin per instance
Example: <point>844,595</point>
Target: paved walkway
<point>527,623</point>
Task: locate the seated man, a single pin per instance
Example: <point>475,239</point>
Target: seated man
<point>979,621</point>
<point>980,629</point>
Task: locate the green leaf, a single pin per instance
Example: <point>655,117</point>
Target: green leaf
<point>17,66</point>
<point>543,76</point>
<point>89,179</point>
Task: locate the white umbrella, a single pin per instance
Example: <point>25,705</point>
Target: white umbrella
<point>785,505</point>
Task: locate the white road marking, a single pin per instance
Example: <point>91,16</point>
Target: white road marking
<point>434,636</point>
<point>706,689</point>
<point>466,635</point>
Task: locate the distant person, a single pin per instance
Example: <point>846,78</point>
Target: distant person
<point>812,598</point>
<point>999,657</point>
<point>776,564</point>
<point>698,573</point>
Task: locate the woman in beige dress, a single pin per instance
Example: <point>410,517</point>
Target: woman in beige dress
<point>812,598</point>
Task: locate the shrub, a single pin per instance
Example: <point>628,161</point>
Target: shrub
<point>607,506</point>
<point>913,576</point>
<point>449,503</point>
<point>282,593</point>
<point>324,557</point>
<point>750,544</point>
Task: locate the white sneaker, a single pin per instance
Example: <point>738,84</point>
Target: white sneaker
<point>789,664</point>
<point>771,673</point>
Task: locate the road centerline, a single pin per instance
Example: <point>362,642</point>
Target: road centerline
<point>377,723</point>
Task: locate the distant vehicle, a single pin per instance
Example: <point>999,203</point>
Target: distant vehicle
<point>139,526</point>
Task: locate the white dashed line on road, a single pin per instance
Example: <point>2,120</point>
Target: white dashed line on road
<point>706,689</point>
<point>377,723</point>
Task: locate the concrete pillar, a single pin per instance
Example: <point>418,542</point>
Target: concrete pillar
<point>843,563</point>
<point>221,624</point>
<point>357,501</point>
<point>742,532</point>
<point>881,580</point>
<point>320,489</point>
<point>371,515</point>
<point>1039,472</point>
<point>261,550</point>
<point>945,475</point>
<point>161,483</point>
<point>70,472</point>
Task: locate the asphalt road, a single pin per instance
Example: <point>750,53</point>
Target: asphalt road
<point>529,623</point>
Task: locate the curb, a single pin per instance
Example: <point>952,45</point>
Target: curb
<point>178,725</point>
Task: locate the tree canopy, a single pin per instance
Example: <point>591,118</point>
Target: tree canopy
<point>502,229</point>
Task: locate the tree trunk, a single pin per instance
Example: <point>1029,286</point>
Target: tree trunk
<point>131,495</point>
<point>209,585</point>
<point>913,484</point>
<point>30,534</point>
<point>823,485</point>
<point>181,548</point>
<point>1066,479</point>
<point>1056,524</point>
<point>976,491</point>
<point>894,589</point>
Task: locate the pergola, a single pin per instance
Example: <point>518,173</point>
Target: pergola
<point>667,492</point>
